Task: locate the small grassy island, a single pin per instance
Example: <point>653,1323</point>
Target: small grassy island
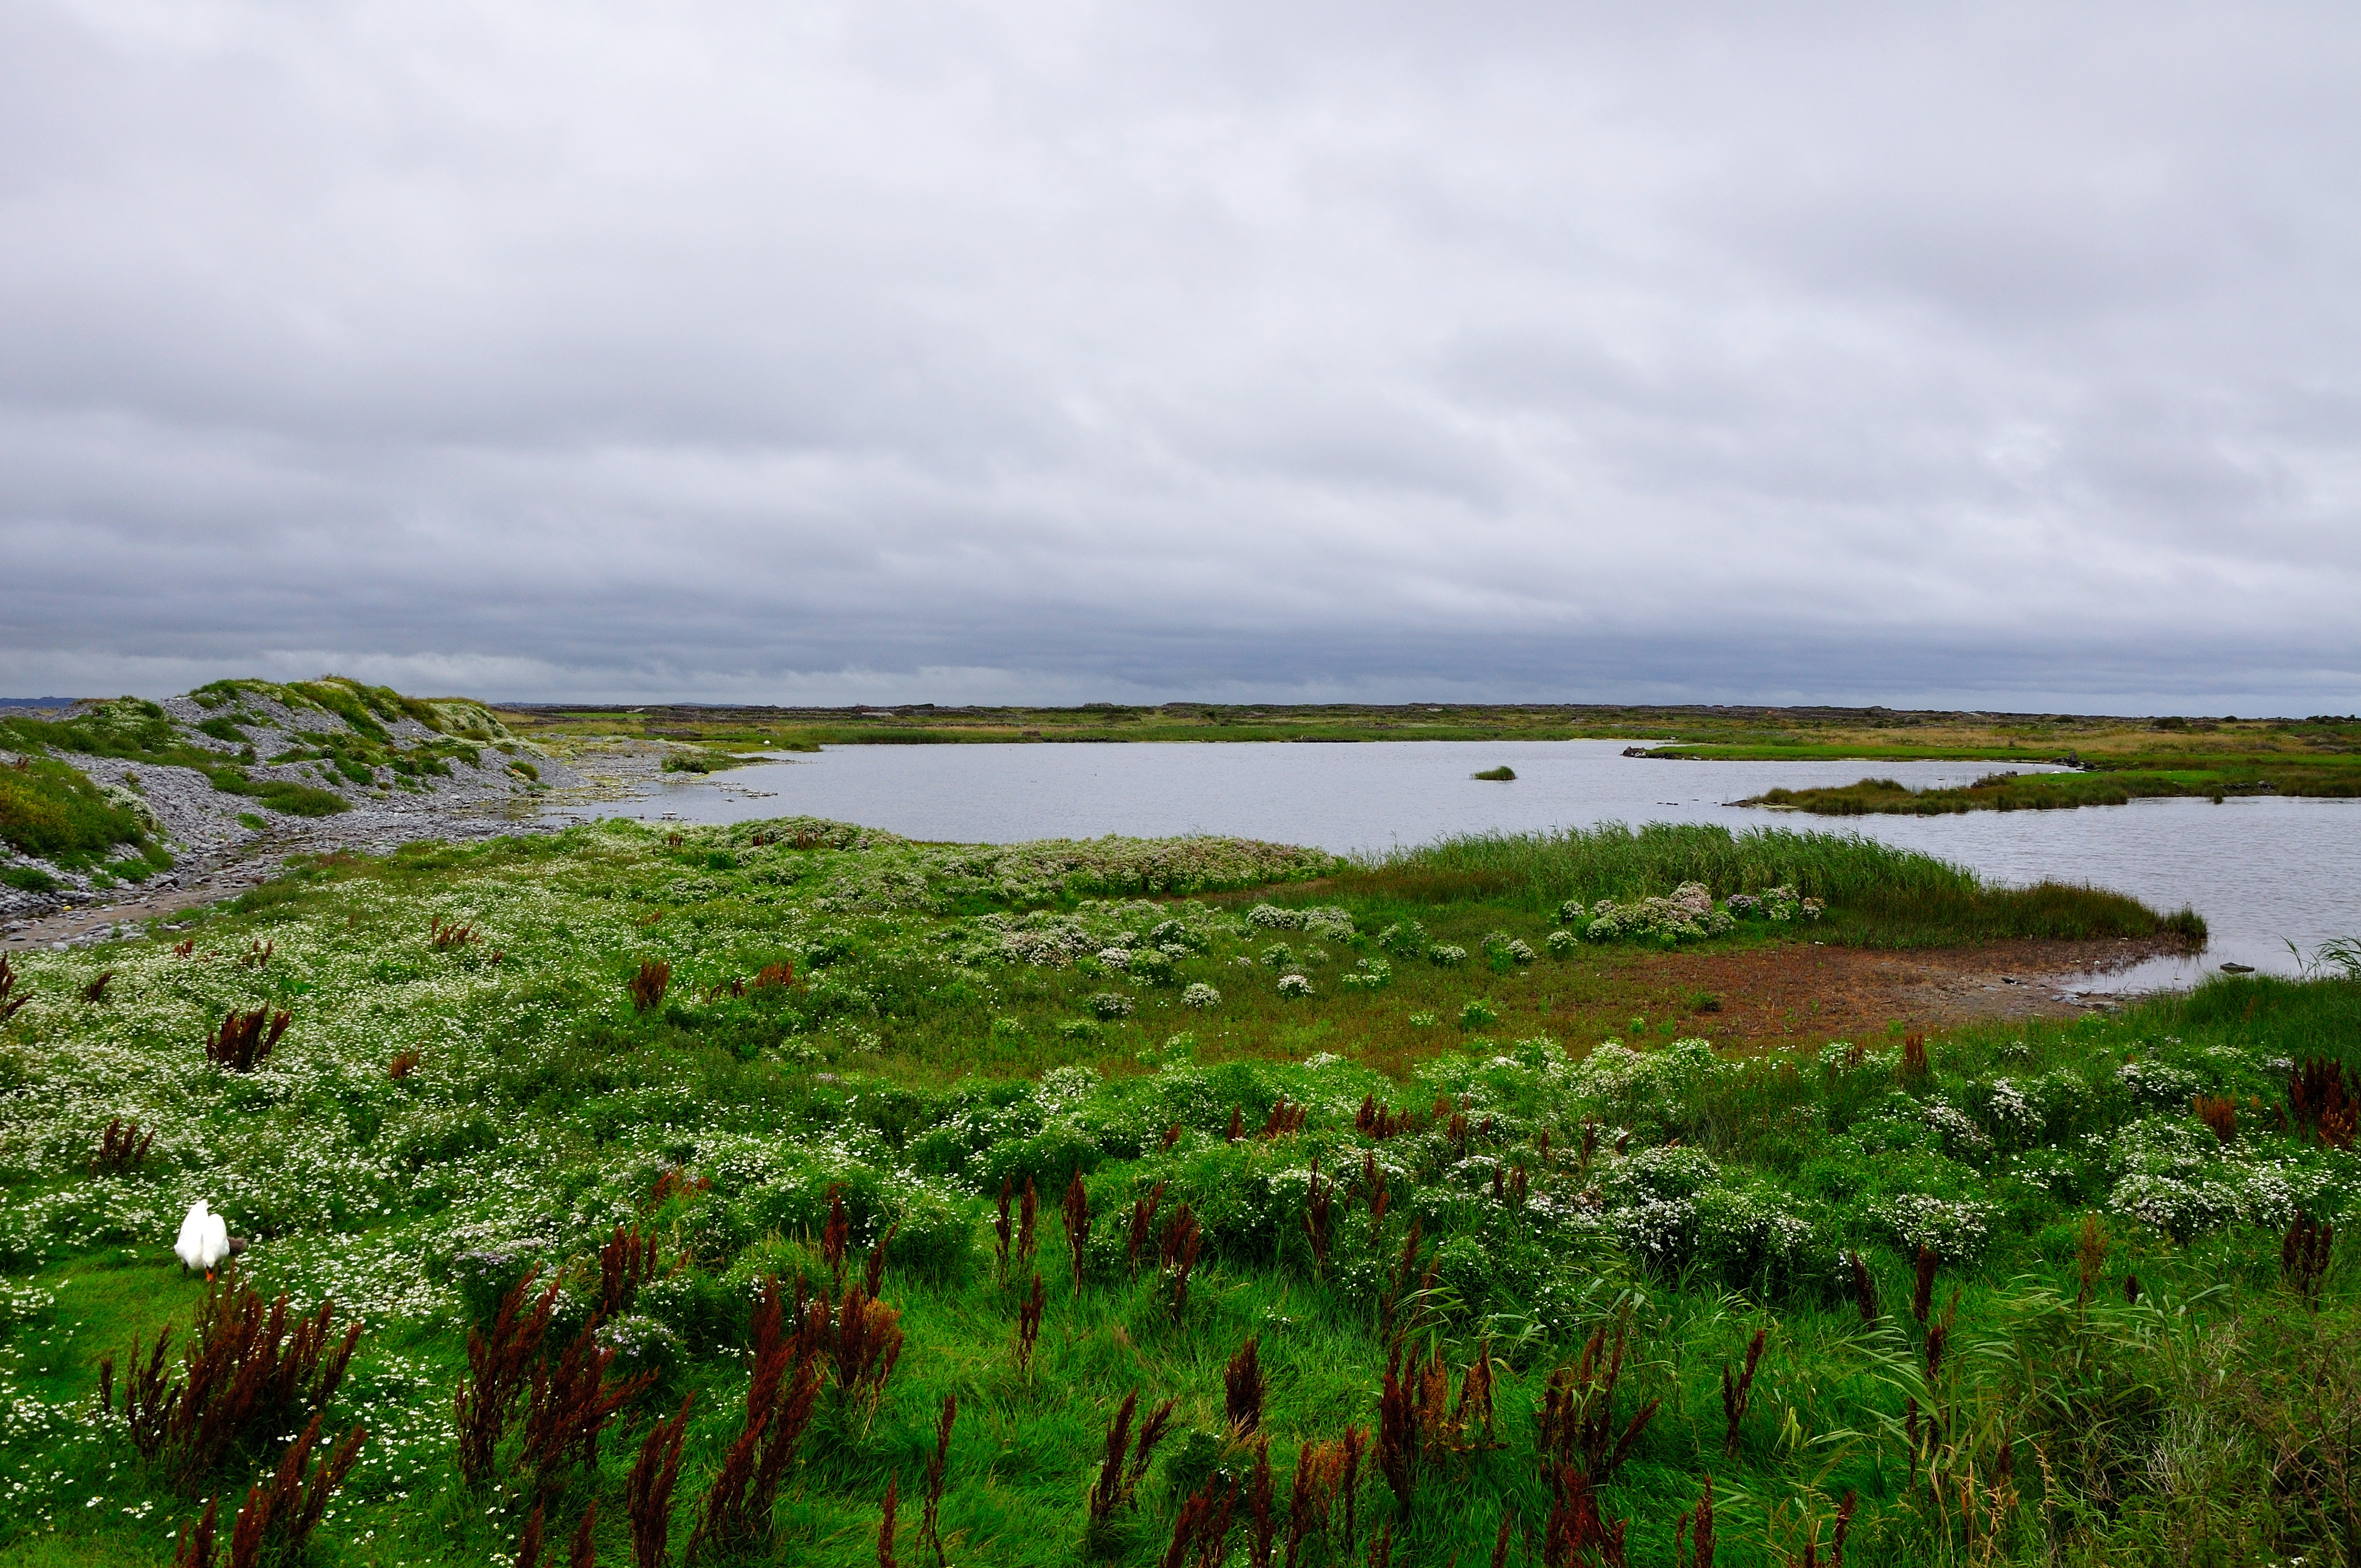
<point>732,1191</point>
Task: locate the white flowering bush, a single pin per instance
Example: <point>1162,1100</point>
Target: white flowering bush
<point>1445,955</point>
<point>2158,1084</point>
<point>1688,914</point>
<point>2182,1208</point>
<point>1506,948</point>
<point>1279,955</point>
<point>1561,943</point>
<point>1660,1173</point>
<point>641,1344</point>
<point>1329,923</point>
<point>1756,1233</point>
<point>1661,1231</point>
<point>1779,904</point>
<point>2170,1172</point>
<point>1960,1133</point>
<point>1335,925</point>
<point>1199,995</point>
<point>1111,1004</point>
<point>1957,1229</point>
<point>2008,1111</point>
<point>1372,973</point>
<point>1295,985</point>
<point>1648,1088</point>
<point>2063,1098</point>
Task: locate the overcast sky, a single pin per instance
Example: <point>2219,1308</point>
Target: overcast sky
<point>1996,356</point>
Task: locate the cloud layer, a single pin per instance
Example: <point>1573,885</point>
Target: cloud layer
<point>2001,355</point>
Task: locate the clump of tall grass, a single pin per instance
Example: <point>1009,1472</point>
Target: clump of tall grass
<point>1877,894</point>
<point>1076,1212</point>
<point>1611,861</point>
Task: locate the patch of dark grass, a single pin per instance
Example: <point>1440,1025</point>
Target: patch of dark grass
<point>2060,791</point>
<point>2049,910</point>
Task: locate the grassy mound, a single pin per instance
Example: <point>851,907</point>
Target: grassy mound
<point>357,746</point>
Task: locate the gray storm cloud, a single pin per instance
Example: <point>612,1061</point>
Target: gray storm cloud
<point>2000,356</point>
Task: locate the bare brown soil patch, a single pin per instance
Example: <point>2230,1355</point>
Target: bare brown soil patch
<point>1798,993</point>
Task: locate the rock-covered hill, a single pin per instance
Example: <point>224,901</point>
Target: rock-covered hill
<point>98,795</point>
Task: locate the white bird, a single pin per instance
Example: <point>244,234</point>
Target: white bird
<point>204,1238</point>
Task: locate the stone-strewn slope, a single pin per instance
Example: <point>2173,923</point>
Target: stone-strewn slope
<point>239,766</point>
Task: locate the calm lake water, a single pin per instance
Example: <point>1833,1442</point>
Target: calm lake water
<point>2261,871</point>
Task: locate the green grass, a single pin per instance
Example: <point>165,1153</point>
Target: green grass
<point>280,794</point>
<point>2055,792</point>
<point>922,1060</point>
<point>50,810</point>
<point>1879,896</point>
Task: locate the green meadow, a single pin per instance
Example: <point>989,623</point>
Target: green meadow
<point>792,1193</point>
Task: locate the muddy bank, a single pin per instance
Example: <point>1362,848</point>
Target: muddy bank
<point>1801,993</point>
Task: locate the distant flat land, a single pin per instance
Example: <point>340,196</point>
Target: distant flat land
<point>2116,758</point>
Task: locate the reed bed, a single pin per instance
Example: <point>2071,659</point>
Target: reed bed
<point>1878,895</point>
